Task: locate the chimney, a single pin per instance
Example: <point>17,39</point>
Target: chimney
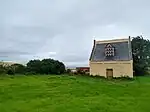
<point>129,38</point>
<point>94,42</point>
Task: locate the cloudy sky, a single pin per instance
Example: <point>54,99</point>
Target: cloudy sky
<point>65,29</point>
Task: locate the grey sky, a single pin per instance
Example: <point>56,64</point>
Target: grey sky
<point>64,29</point>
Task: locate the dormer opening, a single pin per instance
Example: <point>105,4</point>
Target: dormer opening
<point>109,50</point>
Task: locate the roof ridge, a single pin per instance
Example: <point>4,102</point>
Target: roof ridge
<point>112,40</point>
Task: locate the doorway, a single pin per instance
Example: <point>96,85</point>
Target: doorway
<point>109,73</point>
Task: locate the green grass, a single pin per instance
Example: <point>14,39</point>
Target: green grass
<point>73,94</point>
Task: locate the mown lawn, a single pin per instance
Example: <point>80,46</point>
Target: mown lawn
<point>73,94</point>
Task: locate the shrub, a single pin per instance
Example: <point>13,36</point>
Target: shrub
<point>123,78</point>
<point>68,71</point>
<point>2,69</point>
<point>10,72</point>
<point>18,68</point>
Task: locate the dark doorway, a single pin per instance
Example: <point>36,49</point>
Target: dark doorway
<point>109,73</point>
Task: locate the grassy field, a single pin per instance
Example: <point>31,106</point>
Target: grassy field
<point>73,94</point>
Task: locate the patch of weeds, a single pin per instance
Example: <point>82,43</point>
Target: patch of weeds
<point>123,78</point>
<point>101,77</point>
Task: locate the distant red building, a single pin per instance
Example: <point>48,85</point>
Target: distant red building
<point>85,69</point>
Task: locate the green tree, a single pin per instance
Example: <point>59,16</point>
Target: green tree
<point>34,66</point>
<point>141,55</point>
<point>18,68</point>
<point>50,66</point>
<point>60,67</point>
<point>46,66</point>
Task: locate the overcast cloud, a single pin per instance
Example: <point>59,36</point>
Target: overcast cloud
<point>64,29</point>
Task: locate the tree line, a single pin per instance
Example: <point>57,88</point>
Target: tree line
<point>45,66</point>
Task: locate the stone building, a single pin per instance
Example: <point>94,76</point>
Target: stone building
<point>112,58</point>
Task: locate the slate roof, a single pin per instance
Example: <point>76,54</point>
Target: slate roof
<point>122,51</point>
